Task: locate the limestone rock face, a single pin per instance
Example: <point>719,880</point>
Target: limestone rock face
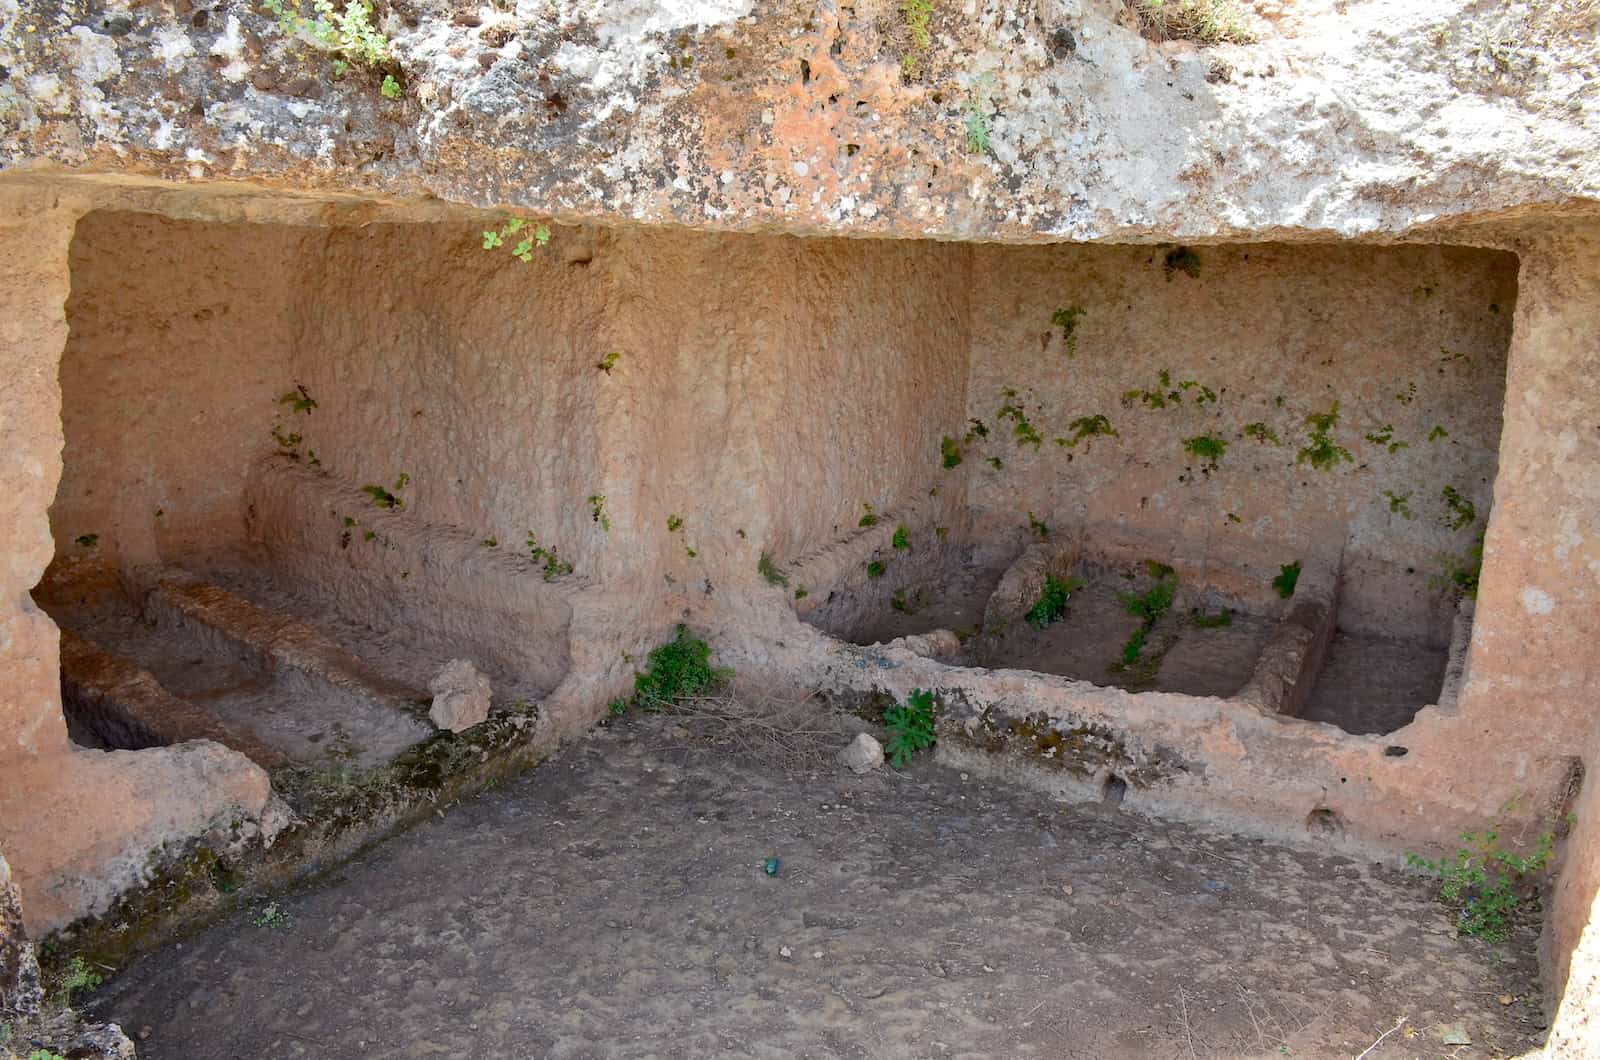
<point>21,993</point>
<point>1018,120</point>
<point>460,696</point>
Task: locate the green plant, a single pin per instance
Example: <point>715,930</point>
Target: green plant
<point>1165,393</point>
<point>1216,621</point>
<point>906,605</point>
<point>1462,512</point>
<point>1206,395</point>
<point>1052,602</point>
<point>975,430</point>
<point>534,234</point>
<point>608,362</point>
<point>490,542</point>
<point>950,452</point>
<point>975,114</point>
<point>554,565</point>
<point>272,916</point>
<point>915,16</point>
<point>1207,448</point>
<point>801,593</point>
<point>1408,395</point>
<point>1481,880</point>
<point>1320,451</point>
<point>382,498</point>
<point>1437,433</point>
<point>677,670</point>
<point>911,727</point>
<point>1461,573</point>
<point>1038,526</point>
<point>1384,436</point>
<point>868,516</point>
<point>1184,260</point>
<point>996,463</point>
<point>1067,320</point>
<point>597,511</point>
<point>1087,427</point>
<point>674,523</point>
<point>1288,577</point>
<point>1398,503</point>
<point>288,442</point>
<point>45,1054</point>
<point>770,570</point>
<point>349,33</point>
<point>1261,433</point>
<point>876,568</point>
<point>298,400</point>
<point>1201,21</point>
<point>390,89</point>
<point>1024,432</point>
<point>1149,607</point>
<point>76,977</point>
<point>87,540</point>
<point>902,538</point>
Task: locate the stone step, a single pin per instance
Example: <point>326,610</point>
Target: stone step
<point>126,705</point>
<point>274,641</point>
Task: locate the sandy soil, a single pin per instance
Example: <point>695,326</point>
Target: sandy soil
<point>613,903</point>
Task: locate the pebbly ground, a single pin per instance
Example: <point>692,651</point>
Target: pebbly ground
<point>613,903</point>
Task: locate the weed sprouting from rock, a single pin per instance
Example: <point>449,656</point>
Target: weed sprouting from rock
<point>1320,450</point>
<point>868,516</point>
<point>554,566</point>
<point>532,234</point>
<point>1462,513</point>
<point>876,568</point>
<point>911,727</point>
<point>1261,433</point>
<point>1067,320</point>
<point>597,511</point>
<point>1052,602</point>
<point>901,539</point>
<point>383,498</point>
<point>1288,577</point>
<point>678,670</point>
<point>1207,448</point>
<point>950,452</point>
<point>770,570</point>
<point>1087,427</point>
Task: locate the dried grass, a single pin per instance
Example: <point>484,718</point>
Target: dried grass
<point>790,731</point>
<point>1201,21</point>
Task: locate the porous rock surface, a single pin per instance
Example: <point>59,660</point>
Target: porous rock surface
<point>1342,118</point>
<point>460,696</point>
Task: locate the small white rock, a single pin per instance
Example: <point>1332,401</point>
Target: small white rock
<point>460,696</point>
<point>863,755</point>
<point>785,952</point>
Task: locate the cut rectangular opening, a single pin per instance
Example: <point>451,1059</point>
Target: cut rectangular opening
<point>251,546</point>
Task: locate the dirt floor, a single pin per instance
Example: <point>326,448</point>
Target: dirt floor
<point>614,903</point>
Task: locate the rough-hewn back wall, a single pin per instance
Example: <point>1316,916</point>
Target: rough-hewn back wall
<point>1409,341</point>
<point>178,340</point>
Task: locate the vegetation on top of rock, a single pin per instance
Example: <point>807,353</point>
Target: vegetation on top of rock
<point>349,34</point>
<point>1201,21</point>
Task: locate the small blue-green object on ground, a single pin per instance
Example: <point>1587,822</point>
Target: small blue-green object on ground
<point>770,867</point>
